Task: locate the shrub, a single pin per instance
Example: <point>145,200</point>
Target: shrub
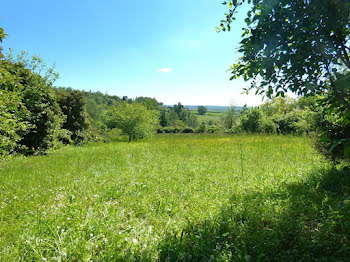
<point>73,106</point>
<point>332,134</point>
<point>12,115</point>
<point>172,129</point>
<point>268,126</point>
<point>251,120</point>
<point>45,118</point>
<point>202,128</point>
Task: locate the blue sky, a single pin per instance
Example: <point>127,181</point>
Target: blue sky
<point>163,49</point>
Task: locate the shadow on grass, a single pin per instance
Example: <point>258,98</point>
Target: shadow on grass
<point>307,221</point>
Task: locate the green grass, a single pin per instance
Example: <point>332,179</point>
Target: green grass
<point>176,198</point>
<point>210,115</point>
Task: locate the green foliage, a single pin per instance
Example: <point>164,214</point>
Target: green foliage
<point>178,112</point>
<point>287,115</point>
<point>134,119</point>
<point>202,110</point>
<point>12,114</point>
<point>250,121</point>
<point>149,103</point>
<point>73,106</point>
<point>202,128</point>
<point>299,46</point>
<point>171,129</point>
<point>177,116</point>
<point>230,117</point>
<point>97,107</point>
<point>2,36</point>
<point>332,133</point>
<point>293,45</point>
<point>268,126</point>
<point>163,117</point>
<point>44,120</point>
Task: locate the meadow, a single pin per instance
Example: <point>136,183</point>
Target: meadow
<point>176,198</point>
<point>211,115</point>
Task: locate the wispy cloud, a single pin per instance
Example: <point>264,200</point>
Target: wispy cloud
<point>165,70</point>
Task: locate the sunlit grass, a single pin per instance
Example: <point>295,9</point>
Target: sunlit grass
<point>147,200</point>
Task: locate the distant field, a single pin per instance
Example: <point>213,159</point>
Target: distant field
<point>176,198</point>
<point>211,108</point>
<point>209,115</point>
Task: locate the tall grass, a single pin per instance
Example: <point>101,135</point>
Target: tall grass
<point>176,197</point>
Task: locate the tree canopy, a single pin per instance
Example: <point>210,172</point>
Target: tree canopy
<point>2,36</point>
<point>134,119</point>
<point>202,110</point>
<point>298,45</point>
<point>303,47</point>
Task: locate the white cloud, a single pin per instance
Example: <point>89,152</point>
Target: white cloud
<point>165,70</point>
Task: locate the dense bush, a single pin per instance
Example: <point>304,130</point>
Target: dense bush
<point>73,106</point>
<point>187,130</point>
<point>172,129</point>
<point>202,128</point>
<point>44,118</point>
<point>332,133</point>
<point>279,115</point>
<point>251,121</point>
<point>12,115</point>
<point>268,126</point>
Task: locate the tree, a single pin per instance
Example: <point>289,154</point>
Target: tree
<point>179,112</point>
<point>73,106</point>
<point>12,114</point>
<point>2,36</point>
<point>135,120</point>
<point>32,81</point>
<point>202,110</point>
<point>300,46</point>
<point>149,103</point>
<point>251,121</point>
<point>163,117</point>
<point>230,117</point>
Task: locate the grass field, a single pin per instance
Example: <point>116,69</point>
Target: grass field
<point>210,115</point>
<point>176,198</point>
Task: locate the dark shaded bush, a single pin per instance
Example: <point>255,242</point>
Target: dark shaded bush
<point>172,129</point>
<point>332,135</point>
<point>73,106</point>
<point>12,114</point>
<point>45,117</point>
<point>187,130</point>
